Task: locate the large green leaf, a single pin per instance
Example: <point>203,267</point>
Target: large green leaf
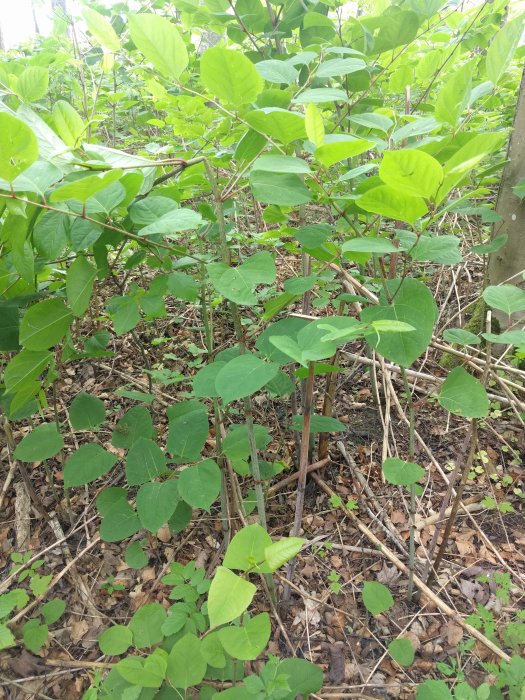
<point>502,48</point>
<point>68,123</point>
<point>454,96</point>
<point>41,443</point>
<point>505,297</point>
<point>229,596</point>
<point>188,430</point>
<point>9,326</point>
<point>87,464</point>
<point>124,312</point>
<point>275,71</point>
<point>230,76</point>
<point>18,147</point>
<point>243,376</point>
<point>160,42</point>
<point>280,124</point>
<point>246,549</point>
<point>199,485</point>
<point>45,324</point>
<point>376,597</point>
<point>412,303</point>
<point>390,202</point>
<point>238,283</point>
<point>156,503</point>
<point>134,424</point>
<point>282,551</point>
<point>86,412</point>
<point>247,641</point>
<point>463,395</point>
<point>186,664</point>
<point>339,66</point>
<point>101,29</point>
<point>146,625</point>
<point>85,187</point>
<point>337,147</point>
<point>119,520</point>
<point>115,640</point>
<point>278,188</point>
<point>145,462</point>
<point>412,172</point>
<point>402,473</point>
<point>79,285</point>
<point>281,164</point>
<point>24,369</point>
<point>303,676</point>
<point>320,96</point>
<point>33,83</point>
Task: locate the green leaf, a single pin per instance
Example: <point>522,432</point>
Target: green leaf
<point>146,624</point>
<point>83,188</point>
<point>9,327</point>
<point>160,42</point>
<point>236,444</point>
<point>433,690</point>
<point>372,120</point>
<point>101,29</point>
<point>378,246</point>
<point>402,473</point>
<point>247,548</point>
<point>376,597</point>
<point>302,676</point>
<point>280,552</point>
<point>314,125</point>
<point>18,147</point>
<point>388,201</point>
<point>229,596</point>
<point>6,637</point>
<point>33,83</point>
<point>212,650</point>
<point>115,640</point>
<point>238,283</point>
<point>79,285</point>
<point>119,520</point>
<point>282,189</point>
<point>320,96</point>
<point>183,286</point>
<point>22,372</point>
<point>199,485</point>
<point>45,324</point>
<point>43,442</point>
<point>413,303</point>
<point>454,96</point>
<point>34,635</point>
<point>281,164</point>
<point>68,123</point>
<point>460,336</point>
<point>156,503</point>
<point>249,640</point>
<point>186,664</point>
<point>243,376</point>
<point>507,337</point>
<point>319,424</point>
<point>145,461</point>
<point>339,66</point>
<point>86,412</point>
<point>143,673</point>
<point>280,124</point>
<point>505,297</point>
<point>172,222</point>
<point>440,249</point>
<point>134,424</point>
<point>411,171</point>
<point>204,380</point>
<point>87,464</point>
<point>492,246</point>
<point>275,71</point>
<point>124,312</point>
<point>464,395</point>
<point>402,651</point>
<point>338,147</point>
<point>53,610</point>
<point>502,48</point>
<point>135,556</point>
<point>230,76</point>
<point>188,430</point>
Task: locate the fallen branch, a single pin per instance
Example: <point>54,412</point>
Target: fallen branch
<point>293,477</point>
<point>446,609</point>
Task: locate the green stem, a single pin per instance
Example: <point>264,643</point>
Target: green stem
<point>411,454</point>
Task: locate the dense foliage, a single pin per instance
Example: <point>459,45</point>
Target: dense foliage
<point>143,173</point>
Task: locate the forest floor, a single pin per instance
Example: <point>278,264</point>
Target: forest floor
<point>325,620</point>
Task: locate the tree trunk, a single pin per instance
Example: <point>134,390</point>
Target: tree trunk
<point>508,263</point>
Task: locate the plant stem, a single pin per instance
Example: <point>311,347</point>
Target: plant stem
<point>411,454</point>
<point>472,442</point>
<point>303,468</point>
